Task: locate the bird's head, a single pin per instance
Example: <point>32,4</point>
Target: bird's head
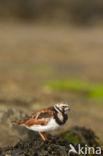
<point>62,107</point>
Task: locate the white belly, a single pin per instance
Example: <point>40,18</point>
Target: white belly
<point>52,125</point>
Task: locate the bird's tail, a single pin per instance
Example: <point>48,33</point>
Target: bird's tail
<point>18,122</point>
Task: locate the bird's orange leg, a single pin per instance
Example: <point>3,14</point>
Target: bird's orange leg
<point>43,136</point>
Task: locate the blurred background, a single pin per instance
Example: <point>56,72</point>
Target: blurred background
<point>50,52</point>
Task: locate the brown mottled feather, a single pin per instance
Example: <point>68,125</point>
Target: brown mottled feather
<point>41,117</point>
<point>31,122</point>
<point>43,113</point>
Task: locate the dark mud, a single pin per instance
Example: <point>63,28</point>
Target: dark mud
<point>56,146</point>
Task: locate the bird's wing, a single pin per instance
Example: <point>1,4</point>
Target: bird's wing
<point>41,117</point>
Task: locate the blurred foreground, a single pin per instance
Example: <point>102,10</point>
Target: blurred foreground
<point>60,145</point>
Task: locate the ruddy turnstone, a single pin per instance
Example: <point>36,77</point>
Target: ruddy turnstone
<point>48,119</point>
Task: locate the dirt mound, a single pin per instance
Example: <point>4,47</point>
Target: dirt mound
<point>57,145</point>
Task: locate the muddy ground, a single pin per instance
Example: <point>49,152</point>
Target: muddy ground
<point>32,54</point>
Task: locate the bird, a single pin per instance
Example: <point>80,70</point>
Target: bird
<point>45,120</point>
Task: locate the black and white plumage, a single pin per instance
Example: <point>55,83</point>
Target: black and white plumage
<point>48,119</point>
